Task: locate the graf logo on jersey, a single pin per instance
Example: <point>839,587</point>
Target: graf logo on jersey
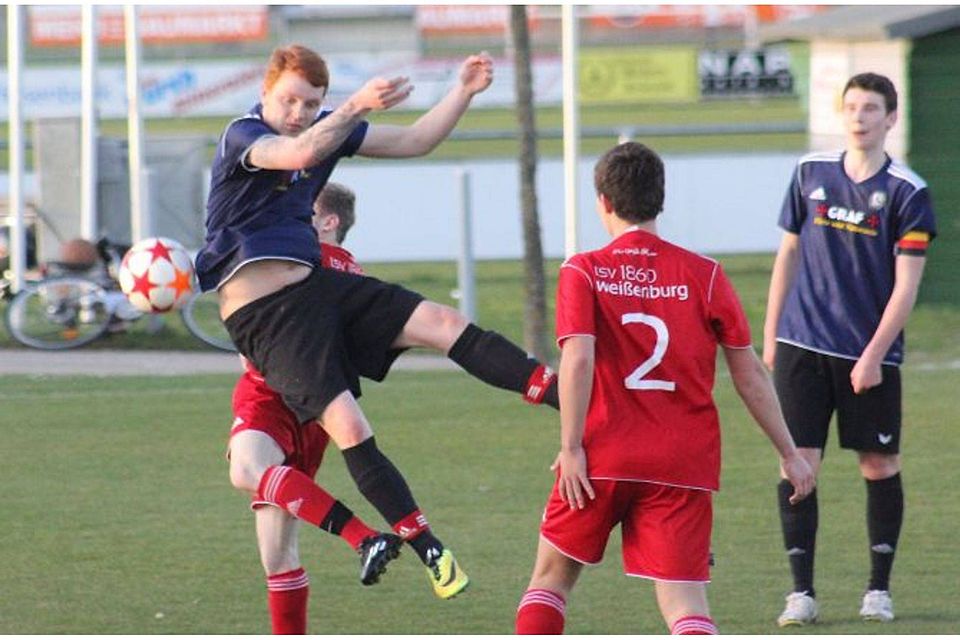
<point>839,217</point>
<point>845,215</point>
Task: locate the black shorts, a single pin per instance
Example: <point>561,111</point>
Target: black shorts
<point>312,340</point>
<point>812,385</point>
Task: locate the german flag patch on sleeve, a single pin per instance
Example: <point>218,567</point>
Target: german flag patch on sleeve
<point>913,243</point>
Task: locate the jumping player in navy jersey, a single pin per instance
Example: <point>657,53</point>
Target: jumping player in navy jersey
<point>313,332</point>
<point>856,229</point>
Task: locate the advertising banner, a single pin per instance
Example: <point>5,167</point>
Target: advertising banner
<point>230,88</point>
<point>691,16</point>
<point>746,72</point>
<point>467,19</point>
<point>59,26</point>
<point>638,74</point>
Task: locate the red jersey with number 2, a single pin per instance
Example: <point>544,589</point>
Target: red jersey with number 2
<point>657,312</point>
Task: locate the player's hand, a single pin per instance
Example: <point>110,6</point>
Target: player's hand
<point>381,94</point>
<point>798,472</point>
<point>573,484</point>
<point>865,375</point>
<point>476,73</point>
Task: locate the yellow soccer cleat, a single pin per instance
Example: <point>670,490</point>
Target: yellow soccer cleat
<point>446,576</point>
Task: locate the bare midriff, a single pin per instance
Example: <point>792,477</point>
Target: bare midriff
<point>256,280</point>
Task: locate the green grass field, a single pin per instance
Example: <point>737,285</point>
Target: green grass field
<point>119,517</point>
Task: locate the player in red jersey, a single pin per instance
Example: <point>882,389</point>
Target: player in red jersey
<point>260,413</point>
<point>638,324</point>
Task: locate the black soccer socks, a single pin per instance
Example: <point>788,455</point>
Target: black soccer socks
<point>884,520</point>
<point>799,522</point>
<point>489,356</point>
<point>379,481</point>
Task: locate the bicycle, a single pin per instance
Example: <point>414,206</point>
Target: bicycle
<point>73,305</point>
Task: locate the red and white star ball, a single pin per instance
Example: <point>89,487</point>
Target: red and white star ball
<point>157,275</point>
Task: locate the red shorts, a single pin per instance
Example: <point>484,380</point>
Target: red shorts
<point>257,407</point>
<point>666,530</point>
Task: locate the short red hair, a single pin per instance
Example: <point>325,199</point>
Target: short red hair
<point>305,62</point>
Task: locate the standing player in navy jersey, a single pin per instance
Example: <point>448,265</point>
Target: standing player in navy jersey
<point>856,229</point>
<point>312,332</point>
<point>638,324</point>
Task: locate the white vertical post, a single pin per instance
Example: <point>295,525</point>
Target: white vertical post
<point>206,196</point>
<point>571,128</point>
<point>138,226</point>
<point>751,34</point>
<point>465,276</point>
<point>18,230</point>
<point>147,188</point>
<point>88,119</point>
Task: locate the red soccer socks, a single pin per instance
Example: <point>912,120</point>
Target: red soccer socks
<point>300,496</point>
<point>694,626</point>
<point>541,612</point>
<point>297,494</point>
<point>287,600</point>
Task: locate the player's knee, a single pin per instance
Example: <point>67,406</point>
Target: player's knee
<point>879,466</point>
<point>435,326</point>
<point>452,322</point>
<point>242,477</point>
<point>251,454</point>
<point>344,422</point>
<point>245,473</point>
<point>555,572</point>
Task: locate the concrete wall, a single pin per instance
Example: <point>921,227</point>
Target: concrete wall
<point>408,210</point>
<point>725,203</point>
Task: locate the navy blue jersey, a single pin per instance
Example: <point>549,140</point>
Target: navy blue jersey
<point>849,234</point>
<point>255,214</point>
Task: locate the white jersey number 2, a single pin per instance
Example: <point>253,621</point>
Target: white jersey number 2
<point>636,379</point>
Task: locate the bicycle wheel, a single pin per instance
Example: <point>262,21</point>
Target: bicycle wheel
<point>201,315</point>
<point>58,313</point>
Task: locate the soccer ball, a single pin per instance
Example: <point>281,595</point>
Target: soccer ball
<point>157,275</point>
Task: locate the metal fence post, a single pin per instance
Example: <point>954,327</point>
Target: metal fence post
<point>465,275</point>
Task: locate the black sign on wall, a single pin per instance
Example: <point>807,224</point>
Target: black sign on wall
<point>745,72</point>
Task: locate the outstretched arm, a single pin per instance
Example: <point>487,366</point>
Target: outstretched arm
<point>324,137</point>
<point>432,128</point>
<point>755,389</point>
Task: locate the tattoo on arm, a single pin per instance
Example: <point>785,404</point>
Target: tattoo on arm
<point>325,136</point>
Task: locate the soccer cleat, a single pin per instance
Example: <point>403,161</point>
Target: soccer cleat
<point>375,552</point>
<point>877,606</point>
<point>446,576</point>
<point>801,609</point>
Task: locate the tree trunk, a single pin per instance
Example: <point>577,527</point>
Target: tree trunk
<point>535,310</point>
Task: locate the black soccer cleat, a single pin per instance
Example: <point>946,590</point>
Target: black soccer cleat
<point>375,552</point>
